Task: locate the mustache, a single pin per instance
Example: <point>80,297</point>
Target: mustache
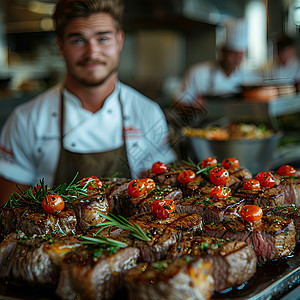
<point>90,60</point>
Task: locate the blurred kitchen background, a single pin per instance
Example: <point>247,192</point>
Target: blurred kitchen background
<point>163,39</point>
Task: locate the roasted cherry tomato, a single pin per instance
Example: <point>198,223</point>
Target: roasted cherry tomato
<point>251,213</point>
<point>149,183</point>
<point>53,204</point>
<point>163,209</point>
<point>251,184</point>
<point>92,182</point>
<point>286,170</point>
<point>136,188</point>
<point>220,192</point>
<point>159,167</point>
<point>230,163</point>
<point>266,179</point>
<point>186,176</point>
<point>208,162</point>
<point>219,176</point>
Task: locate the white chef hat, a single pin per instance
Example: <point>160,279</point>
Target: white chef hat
<point>236,35</point>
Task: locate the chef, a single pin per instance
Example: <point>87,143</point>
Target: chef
<point>223,76</point>
<point>91,123</point>
<point>286,65</point>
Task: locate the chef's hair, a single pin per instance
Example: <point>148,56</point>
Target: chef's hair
<point>66,10</point>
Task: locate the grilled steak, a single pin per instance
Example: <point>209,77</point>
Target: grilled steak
<point>287,212</point>
<point>112,188</point>
<point>128,206</point>
<point>94,273</point>
<point>233,263</point>
<point>164,233</point>
<point>35,260</point>
<point>210,209</point>
<point>185,278</point>
<point>32,222</point>
<point>264,197</point>
<point>87,210</point>
<point>272,238</point>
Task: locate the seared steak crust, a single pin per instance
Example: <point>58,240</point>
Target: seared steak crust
<point>164,233</point>
<point>87,275</point>
<point>274,237</point>
<point>287,212</point>
<point>35,260</point>
<point>128,206</point>
<point>265,197</point>
<point>210,209</point>
<point>185,278</point>
<point>38,222</point>
<point>87,210</point>
<point>233,262</point>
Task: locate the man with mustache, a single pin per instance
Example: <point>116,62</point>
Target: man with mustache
<point>92,123</point>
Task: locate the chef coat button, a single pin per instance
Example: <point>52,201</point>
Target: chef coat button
<point>109,111</point>
<point>54,114</point>
<point>73,144</point>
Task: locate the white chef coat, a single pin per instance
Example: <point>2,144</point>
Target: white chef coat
<point>208,79</point>
<point>30,148</point>
<point>290,71</point>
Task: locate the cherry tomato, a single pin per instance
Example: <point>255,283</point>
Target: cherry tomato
<point>251,184</point>
<point>230,163</point>
<point>251,213</point>
<point>266,179</point>
<point>136,188</point>
<point>220,192</point>
<point>149,183</point>
<point>219,176</point>
<point>159,167</point>
<point>92,182</point>
<point>163,209</point>
<point>186,176</point>
<point>53,204</point>
<point>208,162</point>
<point>286,170</point>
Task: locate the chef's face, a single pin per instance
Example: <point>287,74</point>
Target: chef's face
<point>230,59</point>
<point>91,48</point>
<point>286,54</point>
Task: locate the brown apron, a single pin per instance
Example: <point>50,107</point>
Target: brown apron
<point>101,164</point>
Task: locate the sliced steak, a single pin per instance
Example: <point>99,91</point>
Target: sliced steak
<point>94,273</point>
<point>112,188</point>
<point>272,238</point>
<point>184,278</point>
<point>287,212</point>
<point>264,197</point>
<point>35,260</point>
<point>128,206</point>
<point>210,209</point>
<point>32,222</point>
<point>87,210</point>
<point>233,262</point>
<point>163,233</point>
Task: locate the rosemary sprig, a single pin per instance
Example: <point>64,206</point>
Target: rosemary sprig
<point>101,240</point>
<point>205,171</point>
<point>122,223</point>
<point>34,196</point>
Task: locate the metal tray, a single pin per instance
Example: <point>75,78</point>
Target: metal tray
<point>273,280</point>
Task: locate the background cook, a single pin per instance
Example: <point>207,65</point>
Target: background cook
<point>92,123</point>
<point>223,76</point>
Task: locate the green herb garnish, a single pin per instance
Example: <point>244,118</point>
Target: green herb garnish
<point>122,223</point>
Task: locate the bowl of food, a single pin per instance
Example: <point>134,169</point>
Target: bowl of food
<point>253,145</point>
